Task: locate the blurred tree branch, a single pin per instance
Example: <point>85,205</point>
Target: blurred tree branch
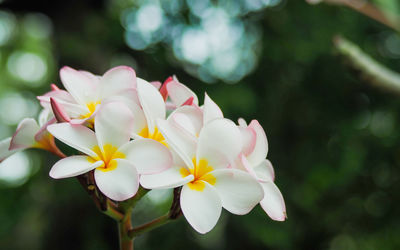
<point>367,9</point>
<point>373,72</point>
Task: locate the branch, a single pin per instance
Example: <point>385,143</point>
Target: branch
<point>149,226</point>
<point>373,72</point>
<point>365,8</point>
<point>174,213</point>
<point>128,205</point>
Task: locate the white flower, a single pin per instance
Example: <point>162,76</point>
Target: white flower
<point>85,91</point>
<point>30,134</point>
<point>252,159</point>
<point>117,162</point>
<point>203,169</point>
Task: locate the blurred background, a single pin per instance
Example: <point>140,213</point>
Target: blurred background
<point>334,139</point>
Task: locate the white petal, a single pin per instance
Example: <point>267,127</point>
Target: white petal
<point>182,142</point>
<point>238,190</point>
<point>127,95</point>
<point>264,171</point>
<point>273,203</point>
<point>130,98</point>
<point>140,121</point>
<point>152,103</point>
<point>24,137</point>
<point>220,142</point>
<point>59,111</point>
<point>72,109</point>
<point>79,85</point>
<point>184,122</point>
<point>44,116</point>
<point>156,84</point>
<point>148,156</point>
<point>95,78</point>
<point>119,184</point>
<point>261,148</point>
<point>249,139</point>
<point>243,164</point>
<point>201,208</point>
<point>189,118</point>
<point>170,106</point>
<point>116,80</point>
<point>242,122</point>
<point>238,163</point>
<point>76,136</point>
<point>170,178</point>
<point>73,166</point>
<point>179,93</point>
<point>60,95</point>
<point>211,110</point>
<point>4,149</point>
<point>113,124</point>
<point>176,159</point>
<point>43,133</point>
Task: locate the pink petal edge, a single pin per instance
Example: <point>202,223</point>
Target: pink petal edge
<point>59,111</point>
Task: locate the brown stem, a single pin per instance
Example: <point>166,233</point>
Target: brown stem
<point>113,211</point>
<point>128,204</point>
<point>367,9</point>
<point>175,210</point>
<point>149,226</point>
<point>124,226</point>
<point>371,11</point>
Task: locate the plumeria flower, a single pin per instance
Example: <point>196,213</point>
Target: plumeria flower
<point>203,171</point>
<point>30,134</point>
<point>85,92</point>
<point>253,159</point>
<point>117,162</point>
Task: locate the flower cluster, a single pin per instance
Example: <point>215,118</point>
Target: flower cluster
<point>119,124</point>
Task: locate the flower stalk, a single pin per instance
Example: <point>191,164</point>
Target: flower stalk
<point>124,226</point>
<point>368,9</point>
<point>372,71</point>
<point>174,213</point>
<point>162,220</point>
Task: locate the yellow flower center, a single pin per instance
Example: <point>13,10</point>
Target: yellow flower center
<point>91,107</point>
<point>201,174</point>
<point>107,155</point>
<point>156,135</point>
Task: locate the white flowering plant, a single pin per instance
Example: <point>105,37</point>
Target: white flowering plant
<point>129,145</point>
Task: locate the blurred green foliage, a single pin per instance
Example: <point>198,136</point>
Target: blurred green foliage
<point>334,141</point>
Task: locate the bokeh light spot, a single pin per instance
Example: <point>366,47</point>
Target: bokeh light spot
<point>7,27</point>
<point>27,66</point>
<point>15,107</point>
<point>15,170</point>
